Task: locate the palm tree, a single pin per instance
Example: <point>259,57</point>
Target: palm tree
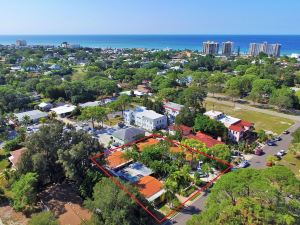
<point>43,121</point>
<point>26,120</point>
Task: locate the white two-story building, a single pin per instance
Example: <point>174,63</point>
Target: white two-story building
<point>146,119</point>
<point>237,128</point>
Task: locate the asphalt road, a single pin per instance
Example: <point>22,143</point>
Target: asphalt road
<point>257,162</point>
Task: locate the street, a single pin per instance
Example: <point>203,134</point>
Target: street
<point>257,162</point>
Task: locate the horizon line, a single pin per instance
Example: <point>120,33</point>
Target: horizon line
<point>136,34</point>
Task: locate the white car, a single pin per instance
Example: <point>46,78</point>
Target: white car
<point>281,153</point>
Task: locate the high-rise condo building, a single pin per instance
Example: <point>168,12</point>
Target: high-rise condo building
<point>21,43</point>
<point>269,49</point>
<point>210,47</point>
<point>227,48</point>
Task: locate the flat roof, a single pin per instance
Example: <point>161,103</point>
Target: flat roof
<point>64,109</point>
<point>212,113</point>
<point>151,114</point>
<point>90,104</point>
<point>138,168</point>
<point>229,120</point>
<point>33,115</point>
<point>173,106</point>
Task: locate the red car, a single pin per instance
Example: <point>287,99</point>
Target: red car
<point>258,151</point>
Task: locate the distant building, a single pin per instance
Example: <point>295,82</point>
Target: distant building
<point>227,48</point>
<point>172,110</point>
<point>210,47</point>
<point>269,49</point>
<point>45,106</point>
<point>21,43</point>
<point>206,139</point>
<point>146,119</point>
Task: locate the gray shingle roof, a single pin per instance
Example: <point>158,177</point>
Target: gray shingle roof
<point>128,133</point>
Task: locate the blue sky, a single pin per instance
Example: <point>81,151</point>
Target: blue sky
<point>149,16</point>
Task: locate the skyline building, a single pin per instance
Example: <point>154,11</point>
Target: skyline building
<point>210,47</point>
<point>269,49</point>
<point>227,48</point>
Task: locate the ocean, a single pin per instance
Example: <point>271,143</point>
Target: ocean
<point>290,43</point>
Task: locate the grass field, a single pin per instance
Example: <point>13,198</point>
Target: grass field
<point>261,120</point>
<point>291,162</point>
<point>78,73</point>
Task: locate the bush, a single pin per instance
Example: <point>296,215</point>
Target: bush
<point>12,145</point>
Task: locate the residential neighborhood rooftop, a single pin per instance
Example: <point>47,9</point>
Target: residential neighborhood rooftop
<point>149,186</point>
<point>116,160</point>
<point>33,115</point>
<point>64,109</point>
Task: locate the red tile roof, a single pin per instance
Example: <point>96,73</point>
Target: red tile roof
<point>236,128</point>
<point>148,142</point>
<point>239,126</point>
<point>116,160</point>
<point>182,128</point>
<point>206,139</point>
<point>148,186</point>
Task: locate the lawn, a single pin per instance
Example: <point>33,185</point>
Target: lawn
<point>292,163</point>
<point>78,73</point>
<point>261,120</point>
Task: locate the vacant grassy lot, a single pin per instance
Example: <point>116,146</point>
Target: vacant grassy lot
<point>261,120</point>
<point>78,73</point>
<point>291,162</point>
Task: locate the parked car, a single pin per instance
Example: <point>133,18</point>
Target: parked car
<point>277,138</point>
<point>286,132</point>
<point>258,151</point>
<point>281,153</point>
<point>243,164</point>
<point>270,143</point>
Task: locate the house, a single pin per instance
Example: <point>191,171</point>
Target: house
<point>15,157</point>
<point>116,160</point>
<point>184,130</point>
<point>33,115</point>
<point>124,136</point>
<point>237,128</point>
<point>146,143</point>
<point>146,119</point>
<point>64,110</point>
<point>172,110</point>
<point>90,104</point>
<point>150,188</point>
<point>54,67</point>
<point>206,139</point>
<point>45,106</point>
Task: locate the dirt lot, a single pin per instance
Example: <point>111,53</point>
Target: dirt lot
<point>64,202</point>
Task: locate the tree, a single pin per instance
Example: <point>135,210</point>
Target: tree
<point>296,136</point>
<point>209,126</point>
<point>262,136</point>
<point>169,94</point>
<point>261,89</point>
<point>240,198</point>
<point>43,218</point>
<point>222,152</point>
<point>196,146</point>
<point>233,87</point>
<point>26,120</point>
<point>185,117</point>
<point>295,149</point>
<point>112,205</point>
<point>94,114</point>
<point>193,97</point>
<point>121,103</point>
<point>216,82</point>
<point>24,191</point>
<point>283,98</point>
